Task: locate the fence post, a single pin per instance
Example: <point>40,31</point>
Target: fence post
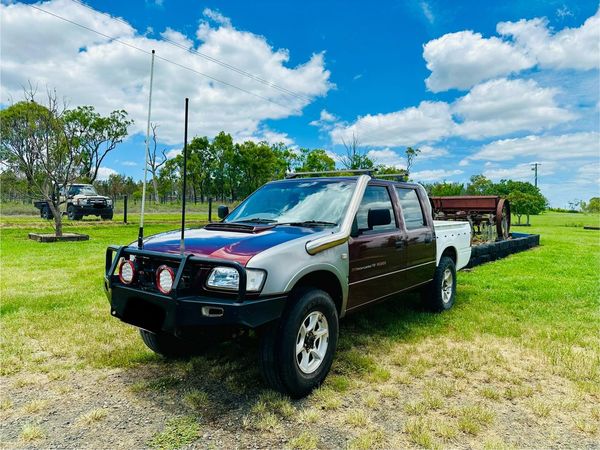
<point>210,209</point>
<point>125,209</point>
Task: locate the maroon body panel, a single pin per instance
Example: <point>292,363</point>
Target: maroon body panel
<point>382,264</point>
<point>375,265</point>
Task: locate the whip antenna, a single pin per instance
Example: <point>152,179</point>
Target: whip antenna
<point>185,139</point>
<point>141,232</point>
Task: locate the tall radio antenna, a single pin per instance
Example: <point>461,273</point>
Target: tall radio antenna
<point>141,232</point>
<point>185,138</point>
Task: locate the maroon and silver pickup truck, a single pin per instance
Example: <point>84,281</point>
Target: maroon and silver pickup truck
<point>290,261</point>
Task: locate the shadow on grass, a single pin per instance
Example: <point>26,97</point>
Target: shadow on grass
<point>224,384</point>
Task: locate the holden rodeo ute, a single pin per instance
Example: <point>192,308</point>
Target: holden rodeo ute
<point>289,261</point>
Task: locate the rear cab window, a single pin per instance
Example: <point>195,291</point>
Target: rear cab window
<point>412,210</point>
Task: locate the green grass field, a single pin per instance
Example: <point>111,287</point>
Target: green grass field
<point>516,362</point>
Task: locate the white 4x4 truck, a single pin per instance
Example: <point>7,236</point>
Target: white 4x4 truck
<point>80,200</point>
<point>290,261</point>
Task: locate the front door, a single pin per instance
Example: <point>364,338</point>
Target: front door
<point>375,251</point>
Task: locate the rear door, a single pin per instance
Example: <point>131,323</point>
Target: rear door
<point>375,252</point>
<point>420,240</point>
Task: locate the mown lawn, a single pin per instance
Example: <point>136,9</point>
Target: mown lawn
<point>515,363</point>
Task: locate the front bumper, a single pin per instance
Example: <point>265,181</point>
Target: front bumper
<point>182,314</point>
<point>90,210</point>
<point>161,313</point>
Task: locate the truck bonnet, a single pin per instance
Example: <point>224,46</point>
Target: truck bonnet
<point>235,246</point>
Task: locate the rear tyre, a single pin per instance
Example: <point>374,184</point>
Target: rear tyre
<point>440,294</point>
<point>168,345</point>
<point>45,213</point>
<point>296,352</point>
<point>107,216</point>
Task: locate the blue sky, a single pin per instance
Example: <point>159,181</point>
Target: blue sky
<point>480,88</point>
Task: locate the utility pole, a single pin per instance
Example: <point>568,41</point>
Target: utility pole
<point>534,167</point>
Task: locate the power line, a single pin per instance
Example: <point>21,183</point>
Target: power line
<point>208,57</point>
<point>157,56</point>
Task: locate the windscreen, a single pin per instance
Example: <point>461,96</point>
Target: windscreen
<point>297,201</point>
<point>86,189</point>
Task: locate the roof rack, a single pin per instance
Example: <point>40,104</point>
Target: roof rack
<point>370,172</point>
<point>398,176</point>
<point>289,175</point>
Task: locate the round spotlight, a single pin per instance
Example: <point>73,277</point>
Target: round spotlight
<point>164,279</point>
<point>126,271</point>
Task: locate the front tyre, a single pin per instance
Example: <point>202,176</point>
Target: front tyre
<point>440,294</point>
<point>72,213</point>
<point>297,351</point>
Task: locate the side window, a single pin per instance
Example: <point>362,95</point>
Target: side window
<point>411,208</point>
<point>376,197</point>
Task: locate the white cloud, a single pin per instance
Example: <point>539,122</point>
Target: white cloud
<point>429,152</point>
<point>463,59</point>
<point>520,172</point>
<point>387,157</point>
<point>429,121</point>
<point>105,172</point>
<point>173,153</point>
<point>590,173</point>
<point>564,11</point>
<point>266,135</point>
<point>427,12</point>
<point>570,48</point>
<point>129,163</point>
<point>434,174</point>
<point>326,120</point>
<point>504,106</point>
<point>217,17</point>
<point>91,70</point>
<point>563,147</point>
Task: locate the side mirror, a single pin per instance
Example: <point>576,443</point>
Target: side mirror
<point>222,211</point>
<point>378,217</point>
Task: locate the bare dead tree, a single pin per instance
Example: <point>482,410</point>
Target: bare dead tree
<point>355,157</point>
<point>154,161</point>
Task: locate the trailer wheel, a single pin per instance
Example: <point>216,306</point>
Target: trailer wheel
<point>167,345</point>
<point>72,214</point>
<point>439,295</point>
<point>296,352</point>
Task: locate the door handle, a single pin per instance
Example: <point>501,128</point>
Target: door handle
<point>400,243</point>
<point>428,238</point>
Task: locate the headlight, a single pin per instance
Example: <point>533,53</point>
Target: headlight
<point>164,279</point>
<point>82,201</point>
<point>228,278</point>
<point>109,202</point>
<point>126,271</point>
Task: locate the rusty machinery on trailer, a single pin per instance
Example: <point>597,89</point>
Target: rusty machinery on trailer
<point>489,215</point>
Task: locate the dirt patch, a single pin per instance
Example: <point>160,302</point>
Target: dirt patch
<point>484,393</point>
